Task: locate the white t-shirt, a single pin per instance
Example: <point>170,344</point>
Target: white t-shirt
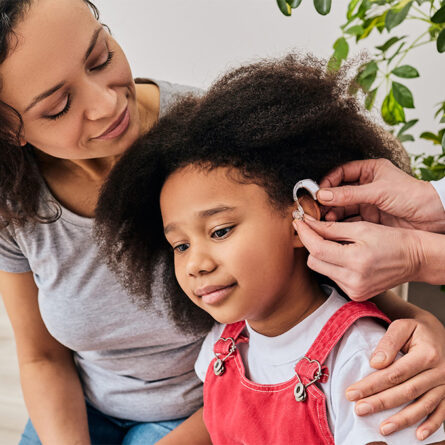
<point>440,189</point>
<point>271,360</point>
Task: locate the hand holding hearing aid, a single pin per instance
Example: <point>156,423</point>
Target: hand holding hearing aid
<point>377,191</point>
<point>363,256</point>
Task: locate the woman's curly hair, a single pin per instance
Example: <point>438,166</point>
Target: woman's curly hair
<point>275,122</point>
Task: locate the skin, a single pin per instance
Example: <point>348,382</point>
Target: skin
<point>53,39</point>
<point>74,164</point>
<point>227,234</point>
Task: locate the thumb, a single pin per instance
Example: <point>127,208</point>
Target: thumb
<point>350,195</point>
<point>390,345</point>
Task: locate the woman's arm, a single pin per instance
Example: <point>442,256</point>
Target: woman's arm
<point>420,374</point>
<point>51,386</point>
<point>191,432</point>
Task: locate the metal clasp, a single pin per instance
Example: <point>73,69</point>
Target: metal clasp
<point>300,392</point>
<point>218,366</point>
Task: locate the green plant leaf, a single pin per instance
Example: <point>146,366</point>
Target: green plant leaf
<point>341,51</point>
<point>396,16</point>
<point>442,121</point>
<point>294,3</point>
<point>439,16</point>
<point>407,126</point>
<point>406,138</point>
<point>389,43</point>
<point>284,7</point>
<point>323,7</point>
<point>370,99</point>
<point>443,143</point>
<point>351,7</point>
<point>406,71</point>
<point>427,135</point>
<point>402,95</point>
<point>355,30</point>
<point>427,175</point>
<point>440,43</point>
<point>396,52</point>
<point>392,111</point>
<point>370,24</point>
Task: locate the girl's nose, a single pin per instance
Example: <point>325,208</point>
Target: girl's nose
<point>200,263</point>
<point>101,102</point>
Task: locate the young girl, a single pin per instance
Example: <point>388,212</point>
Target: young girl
<point>219,188</point>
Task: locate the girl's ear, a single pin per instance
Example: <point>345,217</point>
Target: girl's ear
<point>310,207</point>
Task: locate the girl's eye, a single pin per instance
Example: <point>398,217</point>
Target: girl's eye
<point>104,64</point>
<point>222,233</point>
<point>181,248</point>
<point>61,113</point>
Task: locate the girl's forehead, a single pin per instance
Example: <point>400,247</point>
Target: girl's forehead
<point>192,188</point>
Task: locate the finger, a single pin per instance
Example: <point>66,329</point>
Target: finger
<point>400,371</point>
<point>348,195</point>
<point>334,272</point>
<point>433,422</point>
<point>415,412</point>
<point>421,384</point>
<point>354,171</point>
<point>317,246</point>
<point>397,335</point>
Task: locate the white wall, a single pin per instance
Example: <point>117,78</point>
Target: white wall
<point>192,41</point>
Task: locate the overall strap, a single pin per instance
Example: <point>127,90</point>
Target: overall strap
<point>332,332</point>
<point>231,332</point>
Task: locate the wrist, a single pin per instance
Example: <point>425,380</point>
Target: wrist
<point>427,257</point>
<point>432,208</point>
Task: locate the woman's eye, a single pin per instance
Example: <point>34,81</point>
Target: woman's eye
<point>222,233</point>
<point>181,248</point>
<point>61,113</point>
<point>104,64</point>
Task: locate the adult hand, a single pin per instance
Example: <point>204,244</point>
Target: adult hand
<point>419,376</point>
<point>381,193</point>
<point>369,258</point>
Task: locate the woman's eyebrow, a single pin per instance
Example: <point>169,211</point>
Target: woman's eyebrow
<point>57,87</point>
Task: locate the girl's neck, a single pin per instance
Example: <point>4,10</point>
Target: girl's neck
<point>303,297</point>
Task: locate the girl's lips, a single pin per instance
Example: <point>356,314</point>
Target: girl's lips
<point>215,294</point>
<point>117,128</point>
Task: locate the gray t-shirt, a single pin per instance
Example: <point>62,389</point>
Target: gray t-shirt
<point>133,363</point>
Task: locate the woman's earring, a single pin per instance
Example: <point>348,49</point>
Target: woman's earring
<point>312,187</point>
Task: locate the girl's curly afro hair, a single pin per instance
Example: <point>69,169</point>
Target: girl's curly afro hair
<point>275,122</point>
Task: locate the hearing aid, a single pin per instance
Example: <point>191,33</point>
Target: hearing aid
<point>309,185</point>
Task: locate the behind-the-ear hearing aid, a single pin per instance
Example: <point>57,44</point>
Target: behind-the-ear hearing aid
<point>312,187</point>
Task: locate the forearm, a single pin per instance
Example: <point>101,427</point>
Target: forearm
<point>191,432</point>
<point>394,307</point>
<point>55,402</point>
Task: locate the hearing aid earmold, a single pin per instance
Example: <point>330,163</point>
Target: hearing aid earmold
<point>312,187</point>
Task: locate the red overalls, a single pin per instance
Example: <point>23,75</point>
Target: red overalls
<point>239,411</point>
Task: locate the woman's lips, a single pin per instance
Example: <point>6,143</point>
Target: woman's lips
<point>214,294</point>
<point>118,127</point>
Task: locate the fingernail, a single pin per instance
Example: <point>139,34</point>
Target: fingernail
<point>388,428</point>
<point>353,395</point>
<point>379,357</point>
<point>424,434</point>
<point>325,195</point>
<point>363,408</point>
<point>309,218</point>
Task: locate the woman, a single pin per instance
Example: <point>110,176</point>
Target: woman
<point>69,109</point>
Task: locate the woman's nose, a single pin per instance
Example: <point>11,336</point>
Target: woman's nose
<point>101,102</point>
<point>200,263</point>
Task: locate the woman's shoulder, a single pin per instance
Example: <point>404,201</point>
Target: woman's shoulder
<point>169,92</point>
